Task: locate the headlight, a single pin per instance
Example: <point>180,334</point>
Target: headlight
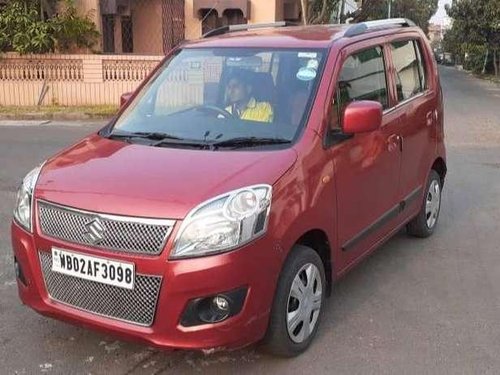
<point>24,202</point>
<point>224,223</point>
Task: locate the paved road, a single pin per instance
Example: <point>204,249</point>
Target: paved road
<point>414,307</point>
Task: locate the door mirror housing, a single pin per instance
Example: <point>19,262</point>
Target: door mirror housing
<point>362,117</point>
<point>125,98</point>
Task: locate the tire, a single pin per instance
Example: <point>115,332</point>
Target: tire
<point>301,262</point>
<point>424,224</point>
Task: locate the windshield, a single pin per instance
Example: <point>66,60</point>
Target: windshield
<point>226,97</point>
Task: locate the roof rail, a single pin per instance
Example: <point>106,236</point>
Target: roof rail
<point>243,27</point>
<point>361,28</point>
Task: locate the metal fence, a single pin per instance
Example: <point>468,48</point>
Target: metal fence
<point>70,79</point>
<point>136,34</point>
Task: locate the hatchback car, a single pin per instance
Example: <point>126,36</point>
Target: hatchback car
<point>240,181</point>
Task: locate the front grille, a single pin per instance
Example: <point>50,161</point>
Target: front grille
<point>112,232</point>
<point>135,306</point>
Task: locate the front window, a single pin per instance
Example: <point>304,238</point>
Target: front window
<point>225,98</point>
<point>363,77</point>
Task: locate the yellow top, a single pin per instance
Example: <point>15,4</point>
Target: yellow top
<point>255,111</point>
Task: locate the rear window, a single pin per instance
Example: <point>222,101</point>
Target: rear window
<point>410,73</point>
<point>421,65</point>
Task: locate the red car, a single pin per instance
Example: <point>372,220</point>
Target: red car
<point>249,172</point>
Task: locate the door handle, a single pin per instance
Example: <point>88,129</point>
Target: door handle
<point>394,142</point>
<point>431,117</point>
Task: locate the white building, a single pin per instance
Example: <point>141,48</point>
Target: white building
<point>349,7</point>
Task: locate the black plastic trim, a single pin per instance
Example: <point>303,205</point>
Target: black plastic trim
<point>411,197</point>
<point>19,272</point>
<point>333,138</point>
<point>382,220</point>
<point>379,223</point>
<point>191,315</point>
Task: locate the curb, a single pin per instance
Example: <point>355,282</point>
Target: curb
<point>22,122</point>
<point>486,78</point>
<point>70,116</point>
<point>50,123</point>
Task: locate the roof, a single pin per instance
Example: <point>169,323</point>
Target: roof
<point>316,36</point>
<point>312,36</point>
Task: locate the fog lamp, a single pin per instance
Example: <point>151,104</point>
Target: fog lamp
<point>221,303</point>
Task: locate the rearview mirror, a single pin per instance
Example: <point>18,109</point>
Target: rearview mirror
<point>362,117</point>
<point>125,98</point>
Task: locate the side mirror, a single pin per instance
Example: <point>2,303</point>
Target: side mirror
<point>362,117</point>
<point>125,98</point>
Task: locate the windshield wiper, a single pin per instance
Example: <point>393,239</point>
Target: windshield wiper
<point>158,139</point>
<point>163,139</point>
<point>250,142</point>
<point>180,142</point>
<point>154,136</point>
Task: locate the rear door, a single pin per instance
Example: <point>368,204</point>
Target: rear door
<point>416,106</point>
<point>367,166</point>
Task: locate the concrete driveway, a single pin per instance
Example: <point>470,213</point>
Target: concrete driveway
<point>414,307</point>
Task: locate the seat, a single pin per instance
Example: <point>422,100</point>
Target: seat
<point>264,89</point>
<point>299,95</point>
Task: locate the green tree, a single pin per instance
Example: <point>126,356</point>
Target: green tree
<point>476,32</point>
<point>317,11</point>
<point>419,11</point>
<point>452,44</point>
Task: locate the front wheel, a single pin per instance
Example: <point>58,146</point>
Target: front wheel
<point>298,302</point>
<point>425,222</point>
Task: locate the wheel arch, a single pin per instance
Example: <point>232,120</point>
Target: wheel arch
<point>317,240</point>
<point>440,167</point>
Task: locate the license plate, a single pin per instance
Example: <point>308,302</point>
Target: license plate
<point>86,267</point>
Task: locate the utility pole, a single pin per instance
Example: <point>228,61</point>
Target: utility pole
<point>341,10</point>
<point>304,5</point>
<point>389,9</point>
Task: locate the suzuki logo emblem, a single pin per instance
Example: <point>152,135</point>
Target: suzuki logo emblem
<point>95,230</point>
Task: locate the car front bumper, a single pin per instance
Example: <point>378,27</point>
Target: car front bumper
<point>254,267</point>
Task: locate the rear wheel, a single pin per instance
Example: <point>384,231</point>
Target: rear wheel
<point>297,304</point>
<point>425,222</point>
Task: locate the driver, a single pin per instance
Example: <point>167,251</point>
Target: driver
<point>241,102</point>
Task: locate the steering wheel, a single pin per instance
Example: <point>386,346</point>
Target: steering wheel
<point>217,110</point>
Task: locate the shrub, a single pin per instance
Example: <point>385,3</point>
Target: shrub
<point>73,31</point>
<point>23,30</point>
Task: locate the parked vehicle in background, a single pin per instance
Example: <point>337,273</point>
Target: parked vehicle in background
<point>448,59</point>
<point>439,57</point>
<point>249,173</point>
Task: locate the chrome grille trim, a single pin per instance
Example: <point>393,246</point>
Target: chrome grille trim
<point>136,306</point>
<point>122,233</point>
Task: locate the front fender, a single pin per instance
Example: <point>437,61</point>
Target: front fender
<point>304,200</point>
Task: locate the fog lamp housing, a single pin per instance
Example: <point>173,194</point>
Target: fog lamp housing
<point>213,309</point>
<point>19,272</point>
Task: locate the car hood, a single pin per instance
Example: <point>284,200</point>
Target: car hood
<point>110,176</point>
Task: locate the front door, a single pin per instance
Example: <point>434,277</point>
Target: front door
<point>367,166</point>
